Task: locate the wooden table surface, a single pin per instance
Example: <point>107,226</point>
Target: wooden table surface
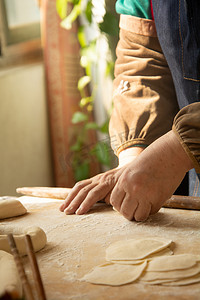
<point>77,243</point>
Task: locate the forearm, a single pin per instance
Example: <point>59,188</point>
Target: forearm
<point>187,130</point>
<point>143,93</point>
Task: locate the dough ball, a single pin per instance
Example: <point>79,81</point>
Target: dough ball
<point>11,208</point>
<point>9,278</point>
<point>37,235</point>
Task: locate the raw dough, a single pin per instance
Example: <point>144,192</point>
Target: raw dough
<point>165,252</point>
<point>185,281</point>
<point>114,274</point>
<point>9,279</point>
<point>11,208</point>
<point>148,261</point>
<point>135,249</point>
<point>176,262</point>
<point>38,238</point>
<point>176,274</point>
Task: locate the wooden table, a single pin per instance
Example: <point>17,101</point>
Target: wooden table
<point>77,243</point>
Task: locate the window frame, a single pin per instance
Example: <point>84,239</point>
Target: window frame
<point>15,51</point>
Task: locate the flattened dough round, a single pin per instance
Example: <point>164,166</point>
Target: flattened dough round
<point>37,235</point>
<point>135,249</point>
<point>164,252</point>
<point>114,274</point>
<point>9,278</point>
<point>175,274</point>
<point>185,281</point>
<point>171,263</point>
<point>11,208</point>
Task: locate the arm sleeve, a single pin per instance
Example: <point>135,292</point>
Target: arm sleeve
<point>187,128</point>
<point>144,100</point>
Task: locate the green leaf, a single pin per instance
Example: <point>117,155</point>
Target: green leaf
<point>92,125</point>
<point>67,22</point>
<point>110,69</point>
<point>88,11</point>
<point>75,1</point>
<point>77,146</point>
<point>61,7</point>
<point>104,127</point>
<point>84,101</point>
<point>82,171</point>
<point>89,53</point>
<point>79,117</point>
<point>83,81</point>
<point>110,24</point>
<point>81,37</point>
<point>102,153</point>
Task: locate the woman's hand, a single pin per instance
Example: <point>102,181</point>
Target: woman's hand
<point>147,182</point>
<point>87,192</point>
<point>140,187</point>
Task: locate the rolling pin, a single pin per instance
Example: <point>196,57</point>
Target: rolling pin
<point>184,202</point>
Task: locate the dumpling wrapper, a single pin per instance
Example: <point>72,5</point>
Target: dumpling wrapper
<point>135,249</point>
<point>176,274</point>
<point>164,252</point>
<point>169,263</point>
<point>185,281</point>
<point>114,274</point>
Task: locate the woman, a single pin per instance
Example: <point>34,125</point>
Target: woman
<point>155,123</point>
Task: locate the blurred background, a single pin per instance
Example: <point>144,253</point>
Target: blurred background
<point>56,72</point>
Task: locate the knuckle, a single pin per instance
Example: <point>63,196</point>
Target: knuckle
<point>84,190</point>
<point>79,184</point>
<point>113,201</point>
<point>93,194</point>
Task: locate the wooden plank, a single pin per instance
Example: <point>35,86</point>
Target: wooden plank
<point>77,243</point>
<point>175,201</point>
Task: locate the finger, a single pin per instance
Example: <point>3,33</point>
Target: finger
<point>128,207</point>
<point>142,212</point>
<point>75,190</point>
<point>96,194</point>
<point>78,199</point>
<point>154,209</point>
<point>116,197</point>
<point>107,198</point>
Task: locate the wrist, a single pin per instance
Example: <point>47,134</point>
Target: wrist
<point>181,156</point>
<point>128,155</point>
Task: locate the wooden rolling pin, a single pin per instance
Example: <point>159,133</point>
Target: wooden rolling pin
<point>185,202</point>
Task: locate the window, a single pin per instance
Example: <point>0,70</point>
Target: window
<point>19,31</point>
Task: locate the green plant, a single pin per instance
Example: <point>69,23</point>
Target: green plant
<point>70,11</point>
